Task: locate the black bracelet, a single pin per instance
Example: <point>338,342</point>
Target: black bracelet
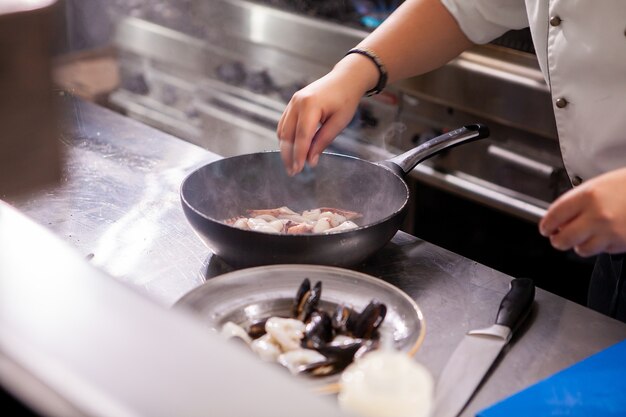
<point>382,71</point>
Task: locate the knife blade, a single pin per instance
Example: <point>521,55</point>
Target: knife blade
<point>478,350</point>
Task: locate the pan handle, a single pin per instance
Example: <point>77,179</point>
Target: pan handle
<point>405,162</point>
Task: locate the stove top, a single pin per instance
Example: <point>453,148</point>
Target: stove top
<point>237,73</point>
<point>358,14</point>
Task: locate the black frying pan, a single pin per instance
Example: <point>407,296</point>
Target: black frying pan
<point>228,187</point>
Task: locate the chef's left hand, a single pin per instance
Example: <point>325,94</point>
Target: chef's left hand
<point>591,218</point>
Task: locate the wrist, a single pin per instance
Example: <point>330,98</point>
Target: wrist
<point>359,71</point>
<point>375,60</point>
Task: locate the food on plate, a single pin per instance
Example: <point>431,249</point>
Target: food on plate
<point>286,221</point>
<point>310,340</point>
<point>387,383</point>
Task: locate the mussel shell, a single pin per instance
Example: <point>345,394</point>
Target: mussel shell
<point>338,358</point>
<point>256,329</point>
<point>344,319</point>
<point>308,302</point>
<point>321,369</point>
<point>318,331</point>
<point>303,289</point>
<point>341,353</point>
<point>369,320</point>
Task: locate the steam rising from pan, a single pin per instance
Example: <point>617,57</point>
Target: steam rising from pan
<point>257,181</point>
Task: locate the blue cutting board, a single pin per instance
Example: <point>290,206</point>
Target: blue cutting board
<point>594,387</point>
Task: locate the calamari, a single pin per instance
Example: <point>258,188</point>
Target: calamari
<point>286,221</point>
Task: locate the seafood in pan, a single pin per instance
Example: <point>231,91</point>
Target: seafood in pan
<point>283,220</point>
<point>311,340</point>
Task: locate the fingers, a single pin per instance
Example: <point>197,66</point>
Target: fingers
<point>592,246</point>
<point>305,130</point>
<point>565,226</point>
<point>286,154</point>
<point>589,219</point>
<point>284,131</point>
<point>325,135</point>
<point>314,116</point>
<point>295,130</point>
<point>571,235</point>
<point>562,211</point>
<point>616,247</point>
<point>579,236</point>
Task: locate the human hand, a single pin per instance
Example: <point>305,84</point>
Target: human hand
<point>591,218</point>
<point>317,113</point>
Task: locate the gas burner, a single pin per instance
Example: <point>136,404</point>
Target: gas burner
<point>231,72</point>
<point>235,73</point>
<point>259,82</point>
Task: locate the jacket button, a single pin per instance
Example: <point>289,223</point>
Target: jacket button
<point>555,21</point>
<point>576,180</point>
<point>561,103</point>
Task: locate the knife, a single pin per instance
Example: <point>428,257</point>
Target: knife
<point>479,349</point>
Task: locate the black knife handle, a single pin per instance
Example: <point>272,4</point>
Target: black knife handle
<point>517,303</point>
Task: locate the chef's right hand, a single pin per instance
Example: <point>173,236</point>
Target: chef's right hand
<point>317,113</point>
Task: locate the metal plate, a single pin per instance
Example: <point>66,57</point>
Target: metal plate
<point>249,294</point>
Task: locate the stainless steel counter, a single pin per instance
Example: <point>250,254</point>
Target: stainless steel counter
<point>118,205</point>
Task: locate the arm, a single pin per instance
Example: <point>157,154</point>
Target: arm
<point>590,218</point>
<point>418,37</point>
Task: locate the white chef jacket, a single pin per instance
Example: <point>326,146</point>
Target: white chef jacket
<point>581,49</point>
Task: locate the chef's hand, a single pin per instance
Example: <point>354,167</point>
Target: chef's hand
<point>591,218</point>
<point>419,36</point>
<point>317,113</point>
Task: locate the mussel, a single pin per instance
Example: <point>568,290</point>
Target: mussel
<point>306,300</point>
<point>310,340</point>
<point>338,357</point>
<point>344,319</point>
<point>256,329</point>
<point>318,331</point>
<point>369,320</point>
